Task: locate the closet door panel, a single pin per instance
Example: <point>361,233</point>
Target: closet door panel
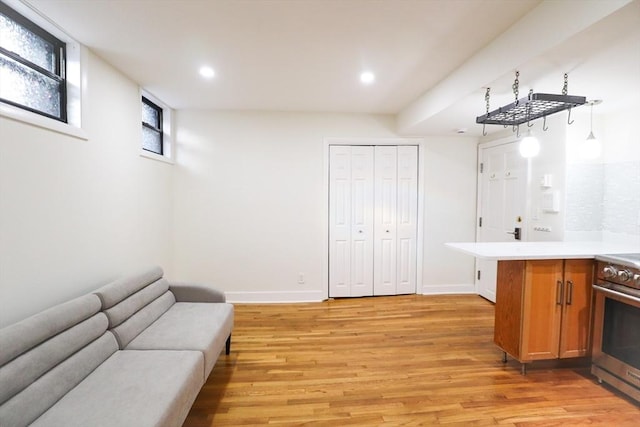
<point>361,221</point>
<point>340,221</point>
<point>385,213</point>
<point>350,221</point>
<point>407,219</point>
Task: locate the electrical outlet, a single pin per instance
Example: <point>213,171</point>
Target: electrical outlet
<point>301,278</point>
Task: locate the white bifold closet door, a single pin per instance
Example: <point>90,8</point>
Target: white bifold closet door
<point>373,194</point>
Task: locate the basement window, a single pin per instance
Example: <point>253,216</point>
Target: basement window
<point>156,128</point>
<point>32,66</point>
<point>151,127</point>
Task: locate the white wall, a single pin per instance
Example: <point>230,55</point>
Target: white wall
<point>450,213</point>
<point>585,180</point>
<point>250,200</point>
<point>242,209</point>
<point>74,213</point>
<point>599,197</point>
<point>552,162</point>
<point>604,192</point>
<point>621,198</point>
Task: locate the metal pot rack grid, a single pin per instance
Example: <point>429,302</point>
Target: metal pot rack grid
<point>532,107</point>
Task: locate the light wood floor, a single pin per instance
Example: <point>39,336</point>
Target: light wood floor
<point>408,360</point>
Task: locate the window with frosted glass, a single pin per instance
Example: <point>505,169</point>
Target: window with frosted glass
<point>32,66</point>
<point>151,126</point>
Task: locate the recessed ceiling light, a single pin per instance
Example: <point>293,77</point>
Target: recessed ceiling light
<point>207,72</point>
<point>367,77</point>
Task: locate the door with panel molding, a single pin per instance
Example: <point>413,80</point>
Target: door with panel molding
<point>372,220</point>
<point>502,206</point>
<point>407,219</point>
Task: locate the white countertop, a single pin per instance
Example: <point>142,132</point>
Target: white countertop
<point>542,250</point>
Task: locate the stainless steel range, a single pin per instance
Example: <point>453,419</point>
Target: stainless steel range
<point>616,338</point>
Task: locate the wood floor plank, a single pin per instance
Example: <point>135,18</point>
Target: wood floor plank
<point>405,360</point>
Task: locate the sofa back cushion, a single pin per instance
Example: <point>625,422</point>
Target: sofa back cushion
<point>133,303</point>
<point>47,355</point>
<point>116,291</point>
<point>23,336</point>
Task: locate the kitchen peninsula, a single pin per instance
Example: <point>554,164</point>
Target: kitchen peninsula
<point>543,295</point>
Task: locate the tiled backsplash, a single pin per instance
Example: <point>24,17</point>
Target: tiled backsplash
<point>603,197</point>
<point>584,197</point>
<point>622,197</point>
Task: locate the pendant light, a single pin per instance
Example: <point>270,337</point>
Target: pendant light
<point>529,146</point>
<point>592,147</point>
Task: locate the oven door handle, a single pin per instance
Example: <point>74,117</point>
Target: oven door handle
<point>616,293</point>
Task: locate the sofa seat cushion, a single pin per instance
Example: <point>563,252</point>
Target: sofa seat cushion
<point>132,388</point>
<point>189,326</point>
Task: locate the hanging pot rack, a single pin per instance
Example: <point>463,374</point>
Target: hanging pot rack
<point>531,107</point>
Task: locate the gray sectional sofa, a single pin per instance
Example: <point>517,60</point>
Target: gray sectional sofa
<point>133,353</point>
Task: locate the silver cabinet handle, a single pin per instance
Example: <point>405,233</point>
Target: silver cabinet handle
<point>559,292</point>
<point>569,292</point>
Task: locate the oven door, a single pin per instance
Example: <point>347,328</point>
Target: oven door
<point>616,338</point>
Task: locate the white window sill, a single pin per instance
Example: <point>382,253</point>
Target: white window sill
<point>154,156</point>
<point>33,119</point>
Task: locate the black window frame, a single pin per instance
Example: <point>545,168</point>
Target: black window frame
<point>60,51</point>
<point>159,128</point>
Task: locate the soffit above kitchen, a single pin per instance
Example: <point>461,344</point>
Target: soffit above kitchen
<point>282,55</point>
<point>598,46</point>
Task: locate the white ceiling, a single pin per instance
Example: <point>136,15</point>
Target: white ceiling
<point>306,55</point>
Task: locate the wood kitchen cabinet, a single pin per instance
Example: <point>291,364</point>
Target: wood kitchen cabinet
<point>543,308</point>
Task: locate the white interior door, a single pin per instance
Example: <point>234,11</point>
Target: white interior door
<point>350,221</point>
<point>361,220</point>
<point>407,219</point>
<point>373,205</point>
<point>385,233</point>
<point>502,206</point>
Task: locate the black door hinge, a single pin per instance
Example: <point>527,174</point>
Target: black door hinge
<point>480,222</point>
<point>478,274</point>
<point>481,167</point>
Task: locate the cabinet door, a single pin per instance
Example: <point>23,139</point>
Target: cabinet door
<point>542,309</point>
<point>576,316</point>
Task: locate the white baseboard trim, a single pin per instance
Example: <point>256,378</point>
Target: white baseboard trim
<point>455,288</point>
<point>275,297</point>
